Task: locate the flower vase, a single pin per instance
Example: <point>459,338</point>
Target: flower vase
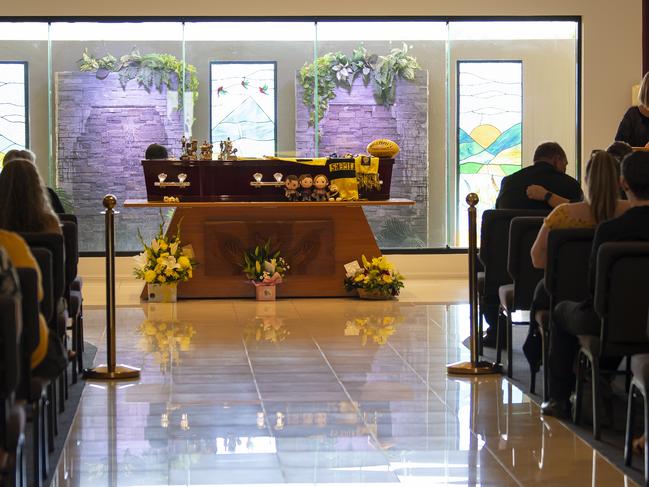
<point>265,292</point>
<point>162,293</point>
<point>374,294</point>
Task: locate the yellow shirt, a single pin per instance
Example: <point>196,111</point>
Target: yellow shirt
<point>21,256</point>
<point>560,218</point>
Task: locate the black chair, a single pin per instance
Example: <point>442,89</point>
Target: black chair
<point>494,238</point>
<point>565,279</point>
<point>620,300</point>
<point>518,295</point>
<point>72,297</point>
<point>35,390</point>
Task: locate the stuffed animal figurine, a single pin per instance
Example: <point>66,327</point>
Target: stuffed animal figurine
<point>291,184</point>
<point>306,185</point>
<point>320,183</point>
<point>333,194</point>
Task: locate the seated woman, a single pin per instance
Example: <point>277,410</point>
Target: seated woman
<point>24,206</point>
<point>48,359</point>
<point>602,203</point>
<point>28,155</point>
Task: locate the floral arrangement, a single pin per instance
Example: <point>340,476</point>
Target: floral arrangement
<point>164,260</point>
<point>264,267</point>
<point>378,328</point>
<point>266,329</point>
<point>376,275</point>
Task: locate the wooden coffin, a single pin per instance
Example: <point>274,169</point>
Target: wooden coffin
<point>231,180</point>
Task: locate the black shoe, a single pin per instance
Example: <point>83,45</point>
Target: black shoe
<point>489,340</point>
<point>557,409</point>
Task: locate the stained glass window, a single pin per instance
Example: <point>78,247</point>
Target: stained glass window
<point>490,101</point>
<point>243,106</point>
<point>13,106</point>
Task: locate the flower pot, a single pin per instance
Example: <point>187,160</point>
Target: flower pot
<point>265,292</point>
<point>374,294</point>
<point>162,293</point>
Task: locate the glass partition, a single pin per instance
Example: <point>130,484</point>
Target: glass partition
<point>466,101</point>
<point>117,87</point>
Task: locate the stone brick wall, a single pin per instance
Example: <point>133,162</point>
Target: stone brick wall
<point>102,131</point>
<point>354,119</point>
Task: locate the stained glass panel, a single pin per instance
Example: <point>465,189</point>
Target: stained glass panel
<point>13,113</point>
<point>489,139</point>
<point>243,106</point>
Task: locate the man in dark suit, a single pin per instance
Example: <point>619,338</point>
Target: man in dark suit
<point>549,172</point>
<point>541,186</point>
<point>572,318</point>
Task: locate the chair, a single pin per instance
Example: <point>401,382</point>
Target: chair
<point>565,279</point>
<point>72,297</point>
<point>620,300</point>
<point>494,238</point>
<point>519,294</point>
<point>34,390</point>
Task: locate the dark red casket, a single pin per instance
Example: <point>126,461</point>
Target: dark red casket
<point>231,180</point>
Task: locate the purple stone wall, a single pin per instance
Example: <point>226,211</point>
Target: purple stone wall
<point>354,119</point>
<point>102,131</point>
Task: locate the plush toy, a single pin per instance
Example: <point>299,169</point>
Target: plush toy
<point>320,183</point>
<point>333,194</point>
<point>306,185</point>
<point>291,184</point>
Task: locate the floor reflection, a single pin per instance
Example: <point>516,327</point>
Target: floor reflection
<point>311,391</point>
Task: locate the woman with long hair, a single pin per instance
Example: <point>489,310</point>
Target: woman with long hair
<point>24,205</point>
<point>602,203</point>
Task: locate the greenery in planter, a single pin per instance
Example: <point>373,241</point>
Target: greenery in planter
<point>397,233</point>
<point>339,70</point>
<point>376,275</point>
<point>148,70</point>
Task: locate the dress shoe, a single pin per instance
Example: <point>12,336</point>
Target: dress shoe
<point>557,409</point>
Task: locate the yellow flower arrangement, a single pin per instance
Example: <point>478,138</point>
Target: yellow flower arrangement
<point>166,340</point>
<point>164,260</point>
<point>376,275</point>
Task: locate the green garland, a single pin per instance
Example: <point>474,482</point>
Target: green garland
<point>338,70</point>
<point>149,70</point>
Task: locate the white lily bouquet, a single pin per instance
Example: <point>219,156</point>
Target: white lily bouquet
<point>164,261</point>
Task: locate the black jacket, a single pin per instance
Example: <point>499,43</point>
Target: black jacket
<point>513,188</point>
<point>634,128</point>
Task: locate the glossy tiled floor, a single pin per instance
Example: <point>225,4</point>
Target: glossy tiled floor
<point>311,392</point>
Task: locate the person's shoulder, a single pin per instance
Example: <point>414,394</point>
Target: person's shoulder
<point>7,237</point>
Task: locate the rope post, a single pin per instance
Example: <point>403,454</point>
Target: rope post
<point>475,366</point>
<point>111,370</point>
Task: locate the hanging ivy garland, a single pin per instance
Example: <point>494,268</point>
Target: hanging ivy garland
<point>148,69</point>
<point>338,70</point>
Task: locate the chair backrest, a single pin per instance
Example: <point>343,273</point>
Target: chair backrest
<point>566,270</point>
<point>494,246</point>
<point>44,258</point>
<point>29,291</point>
<point>522,234</point>
<point>9,345</point>
<point>622,295</point>
<point>71,238</point>
<point>56,245</point>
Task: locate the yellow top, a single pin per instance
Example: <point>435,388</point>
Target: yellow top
<point>21,256</point>
<point>561,218</point>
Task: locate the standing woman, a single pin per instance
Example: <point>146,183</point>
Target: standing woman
<point>634,127</point>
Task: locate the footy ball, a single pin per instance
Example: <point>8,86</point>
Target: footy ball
<point>383,148</point>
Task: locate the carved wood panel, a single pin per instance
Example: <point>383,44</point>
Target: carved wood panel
<point>307,245</point>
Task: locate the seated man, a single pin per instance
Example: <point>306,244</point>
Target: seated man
<point>571,318</point>
<point>547,173</point>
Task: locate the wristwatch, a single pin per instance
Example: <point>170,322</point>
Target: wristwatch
<point>547,197</point>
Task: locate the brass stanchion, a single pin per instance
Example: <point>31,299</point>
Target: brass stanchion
<point>111,371</point>
<point>475,366</point>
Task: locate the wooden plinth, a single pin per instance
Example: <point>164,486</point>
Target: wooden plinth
<point>316,238</point>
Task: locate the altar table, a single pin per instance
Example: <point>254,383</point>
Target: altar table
<point>316,238</point>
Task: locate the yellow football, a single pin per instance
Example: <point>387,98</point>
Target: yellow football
<point>383,148</point>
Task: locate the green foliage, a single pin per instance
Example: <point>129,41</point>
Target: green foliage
<point>149,70</point>
<point>336,69</point>
<point>397,233</point>
<point>66,200</point>
<point>376,275</point>
<point>261,264</point>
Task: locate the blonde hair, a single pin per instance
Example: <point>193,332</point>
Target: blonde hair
<point>643,92</point>
<point>602,187</point>
<point>14,154</point>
